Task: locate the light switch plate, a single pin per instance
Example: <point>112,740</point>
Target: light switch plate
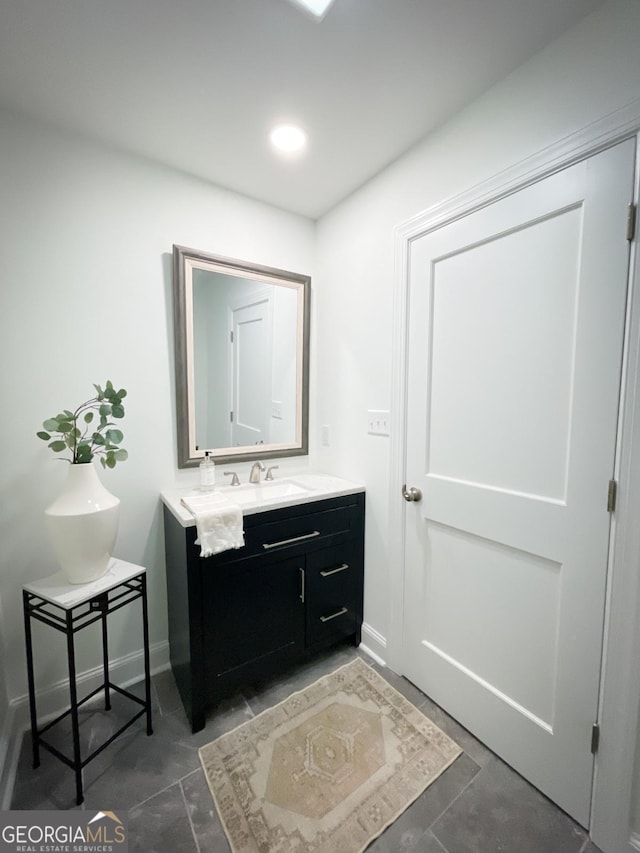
<point>378,422</point>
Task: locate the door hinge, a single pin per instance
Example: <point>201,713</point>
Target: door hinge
<point>231,416</point>
<point>612,494</point>
<point>231,336</point>
<point>595,738</point>
<point>631,222</point>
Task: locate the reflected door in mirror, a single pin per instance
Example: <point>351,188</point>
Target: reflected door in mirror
<point>251,373</point>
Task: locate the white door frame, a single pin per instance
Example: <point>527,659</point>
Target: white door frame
<point>620,695</point>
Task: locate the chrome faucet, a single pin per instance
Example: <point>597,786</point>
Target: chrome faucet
<point>256,468</point>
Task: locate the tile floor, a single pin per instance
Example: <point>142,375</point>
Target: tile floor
<point>478,805</point>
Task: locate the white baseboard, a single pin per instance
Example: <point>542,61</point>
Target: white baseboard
<point>374,644</point>
<point>54,700</point>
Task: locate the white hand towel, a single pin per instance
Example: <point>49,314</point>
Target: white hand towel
<point>218,522</point>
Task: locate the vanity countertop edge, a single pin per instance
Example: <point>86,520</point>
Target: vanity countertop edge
<point>317,487</point>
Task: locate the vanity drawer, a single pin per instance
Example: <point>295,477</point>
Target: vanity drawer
<point>333,592</point>
<point>300,531</point>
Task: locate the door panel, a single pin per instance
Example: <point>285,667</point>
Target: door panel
<point>516,323</point>
<point>251,609</point>
<point>516,593</point>
<point>502,352</point>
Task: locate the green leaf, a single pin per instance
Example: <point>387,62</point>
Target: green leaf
<point>105,409</point>
<point>102,462</point>
<point>65,426</point>
<point>111,460</point>
<point>50,424</point>
<point>98,438</point>
<point>117,411</point>
<point>83,453</point>
<point>68,414</point>
<point>43,435</point>
<point>88,417</point>
<point>115,436</point>
<point>99,390</point>
<point>109,385</point>
<point>122,393</point>
<point>121,455</point>
<point>58,446</point>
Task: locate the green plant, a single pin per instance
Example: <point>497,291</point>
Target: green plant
<point>87,440</point>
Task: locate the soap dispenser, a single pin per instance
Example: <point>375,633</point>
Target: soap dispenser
<point>207,473</point>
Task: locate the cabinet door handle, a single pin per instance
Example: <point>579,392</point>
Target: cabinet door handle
<point>340,612</point>
<point>327,572</point>
<point>268,545</point>
<point>302,583</point>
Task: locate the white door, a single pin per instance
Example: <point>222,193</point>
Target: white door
<point>251,373</point>
<point>516,321</point>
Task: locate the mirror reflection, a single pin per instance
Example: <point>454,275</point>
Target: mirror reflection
<point>244,353</point>
<point>242,358</point>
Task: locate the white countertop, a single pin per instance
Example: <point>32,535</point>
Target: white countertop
<point>252,498</point>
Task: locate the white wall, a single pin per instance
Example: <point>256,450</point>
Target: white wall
<point>85,295</point>
<point>586,74</point>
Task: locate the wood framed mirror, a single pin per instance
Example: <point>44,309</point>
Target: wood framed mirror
<point>241,359</point>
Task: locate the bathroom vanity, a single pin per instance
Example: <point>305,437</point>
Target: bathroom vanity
<point>295,587</point>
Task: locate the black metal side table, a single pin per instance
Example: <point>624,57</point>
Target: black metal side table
<point>70,608</point>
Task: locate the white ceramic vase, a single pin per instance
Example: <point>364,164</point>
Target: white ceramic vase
<point>82,524</point>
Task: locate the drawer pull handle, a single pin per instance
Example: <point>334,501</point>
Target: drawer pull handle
<point>268,545</point>
<point>302,585</point>
<point>340,612</point>
<point>327,572</point>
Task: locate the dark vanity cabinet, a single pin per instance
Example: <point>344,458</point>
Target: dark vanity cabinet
<point>243,615</point>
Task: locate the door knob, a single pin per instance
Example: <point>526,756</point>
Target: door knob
<point>411,494</point>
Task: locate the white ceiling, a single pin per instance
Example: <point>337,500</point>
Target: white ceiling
<point>196,84</point>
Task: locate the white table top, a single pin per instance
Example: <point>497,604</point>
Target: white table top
<point>57,589</point>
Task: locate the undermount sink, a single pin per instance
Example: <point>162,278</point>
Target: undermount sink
<point>261,493</point>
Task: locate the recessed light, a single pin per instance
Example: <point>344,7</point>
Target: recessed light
<point>288,137</point>
<point>316,7</point>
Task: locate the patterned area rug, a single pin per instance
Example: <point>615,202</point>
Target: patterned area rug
<point>326,770</point>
